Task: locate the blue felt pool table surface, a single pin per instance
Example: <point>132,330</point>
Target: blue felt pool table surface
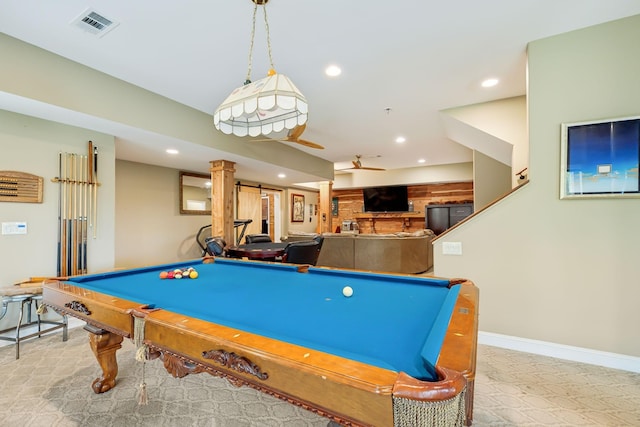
<point>390,321</point>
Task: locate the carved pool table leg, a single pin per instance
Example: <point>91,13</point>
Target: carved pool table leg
<point>104,345</point>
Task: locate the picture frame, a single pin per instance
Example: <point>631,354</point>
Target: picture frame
<point>334,206</point>
<point>297,208</point>
<point>600,158</point>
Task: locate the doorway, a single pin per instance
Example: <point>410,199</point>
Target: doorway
<point>271,214</point>
<point>265,215</point>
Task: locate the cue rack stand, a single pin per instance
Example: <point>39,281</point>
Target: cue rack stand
<point>77,209</point>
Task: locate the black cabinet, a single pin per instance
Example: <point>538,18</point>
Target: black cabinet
<point>440,217</point>
<point>437,218</point>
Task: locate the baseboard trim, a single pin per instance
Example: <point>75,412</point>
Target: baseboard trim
<point>561,351</point>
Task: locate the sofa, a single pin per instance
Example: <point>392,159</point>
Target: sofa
<point>410,253</point>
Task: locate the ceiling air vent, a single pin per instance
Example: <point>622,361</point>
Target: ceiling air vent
<point>94,23</point>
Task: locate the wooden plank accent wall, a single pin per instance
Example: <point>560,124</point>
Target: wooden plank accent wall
<point>351,206</point>
<point>388,222</point>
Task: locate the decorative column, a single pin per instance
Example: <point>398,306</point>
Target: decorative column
<point>325,223</point>
<point>222,182</point>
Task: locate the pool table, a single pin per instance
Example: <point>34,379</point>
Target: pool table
<point>401,350</point>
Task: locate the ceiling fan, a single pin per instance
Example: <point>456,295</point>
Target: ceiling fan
<point>357,165</point>
<point>294,136</point>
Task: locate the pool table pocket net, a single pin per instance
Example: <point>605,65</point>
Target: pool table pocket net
<point>443,413</point>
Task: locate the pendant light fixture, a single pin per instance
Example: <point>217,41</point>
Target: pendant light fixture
<point>271,104</point>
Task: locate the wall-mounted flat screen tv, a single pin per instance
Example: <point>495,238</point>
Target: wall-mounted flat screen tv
<point>386,199</point>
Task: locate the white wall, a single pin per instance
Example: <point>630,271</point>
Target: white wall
<point>562,271</point>
<point>149,227</point>
<point>491,180</point>
<point>505,119</point>
<point>32,145</point>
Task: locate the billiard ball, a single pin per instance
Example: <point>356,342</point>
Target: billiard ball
<point>170,275</point>
<point>193,274</point>
<point>347,291</point>
<point>177,276</point>
<point>163,274</point>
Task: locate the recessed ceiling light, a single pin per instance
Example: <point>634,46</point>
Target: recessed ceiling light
<point>421,160</point>
<point>172,151</point>
<point>490,82</point>
<point>333,71</point>
<point>401,139</point>
<point>281,175</point>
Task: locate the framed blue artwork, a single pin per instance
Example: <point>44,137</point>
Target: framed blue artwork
<point>600,158</point>
<point>334,206</point>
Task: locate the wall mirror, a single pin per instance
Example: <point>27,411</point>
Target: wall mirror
<point>195,194</point>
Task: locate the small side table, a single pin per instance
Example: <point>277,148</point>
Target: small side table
<point>27,295</point>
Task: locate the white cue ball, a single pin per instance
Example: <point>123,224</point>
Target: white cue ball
<point>347,291</point>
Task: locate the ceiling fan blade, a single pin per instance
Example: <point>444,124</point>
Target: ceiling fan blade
<point>361,168</point>
<point>306,143</point>
<point>293,136</point>
<point>357,165</point>
<point>295,141</point>
<point>297,131</point>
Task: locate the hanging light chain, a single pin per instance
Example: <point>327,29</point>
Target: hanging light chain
<point>253,35</point>
<point>266,25</point>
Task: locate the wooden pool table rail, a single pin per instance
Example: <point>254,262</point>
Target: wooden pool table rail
<point>460,345</point>
<point>343,390</point>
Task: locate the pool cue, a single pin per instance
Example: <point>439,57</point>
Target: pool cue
<point>74,224</point>
<point>86,214</point>
<point>90,180</point>
<point>76,211</point>
<point>63,248</point>
<point>79,214</point>
<point>95,192</point>
<point>80,163</point>
<point>63,180</point>
<point>80,179</point>
<point>69,206</point>
<point>79,257</point>
<point>84,222</point>
<point>59,212</point>
<point>71,201</point>
<point>76,214</point>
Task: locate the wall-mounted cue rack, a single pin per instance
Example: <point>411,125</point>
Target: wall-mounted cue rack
<point>77,208</point>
